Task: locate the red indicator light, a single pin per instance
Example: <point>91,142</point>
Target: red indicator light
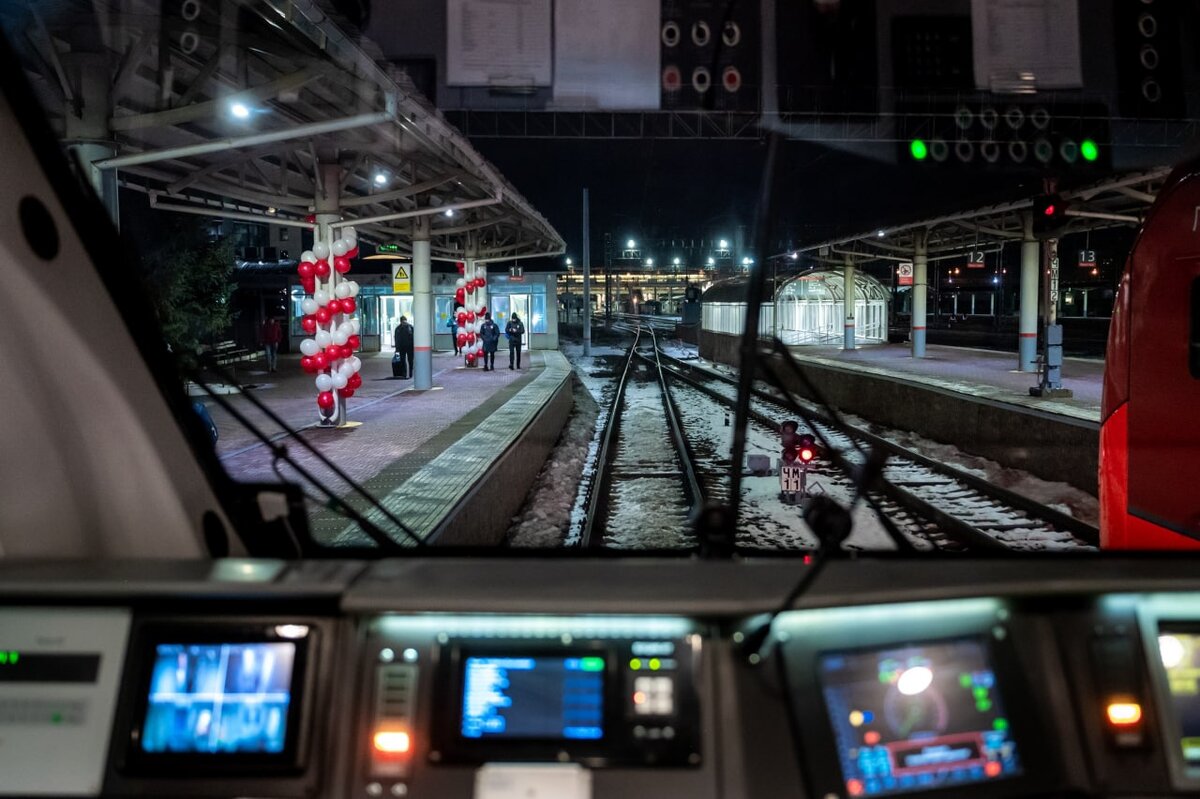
<point>807,455</point>
<point>1050,209</point>
<point>871,738</point>
<point>854,787</point>
<point>392,742</point>
<point>992,768</point>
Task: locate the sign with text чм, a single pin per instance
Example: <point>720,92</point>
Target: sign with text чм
<point>401,279</point>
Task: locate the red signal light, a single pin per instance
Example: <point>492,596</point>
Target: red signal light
<point>807,454</point>
<point>1049,210</point>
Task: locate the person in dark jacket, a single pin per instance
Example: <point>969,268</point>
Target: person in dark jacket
<point>490,333</point>
<point>403,340</point>
<point>515,330</point>
<point>452,326</point>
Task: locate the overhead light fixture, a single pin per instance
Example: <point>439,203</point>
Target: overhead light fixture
<point>677,261</point>
<point>239,110</point>
<point>747,261</point>
<point>271,210</point>
<point>568,261</point>
<point>649,262</point>
<point>711,261</point>
<point>795,256</point>
<point>629,245</point>
<point>724,244</point>
<point>881,233</point>
<point>380,179</point>
<point>449,212</point>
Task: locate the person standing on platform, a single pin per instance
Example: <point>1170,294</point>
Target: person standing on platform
<point>452,326</point>
<point>515,330</point>
<point>489,332</point>
<point>269,336</point>
<point>404,347</point>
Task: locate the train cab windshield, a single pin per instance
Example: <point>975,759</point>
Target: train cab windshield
<point>551,398</point>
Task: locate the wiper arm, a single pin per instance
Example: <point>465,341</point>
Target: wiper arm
<point>280,452</point>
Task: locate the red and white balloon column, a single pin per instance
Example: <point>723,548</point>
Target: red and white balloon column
<point>329,318</point>
<point>471,294</point>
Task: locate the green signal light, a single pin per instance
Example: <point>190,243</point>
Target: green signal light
<point>591,664</point>
<point>635,664</point>
<point>918,149</point>
<point>655,664</point>
<point>1089,150</point>
<point>1000,724</point>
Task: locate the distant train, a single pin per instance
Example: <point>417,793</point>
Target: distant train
<point>1150,415</point>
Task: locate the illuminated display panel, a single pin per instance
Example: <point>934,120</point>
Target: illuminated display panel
<point>917,718</point>
<point>559,698</point>
<point>1180,654</point>
<point>220,698</point>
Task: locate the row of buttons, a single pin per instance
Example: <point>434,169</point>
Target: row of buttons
<point>654,733</point>
<point>397,789</point>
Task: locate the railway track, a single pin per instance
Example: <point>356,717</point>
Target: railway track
<point>932,502</point>
<point>645,483</point>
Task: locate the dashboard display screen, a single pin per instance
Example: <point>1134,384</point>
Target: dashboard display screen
<point>916,718</point>
<point>560,698</point>
<point>220,698</point>
<point>1180,653</point>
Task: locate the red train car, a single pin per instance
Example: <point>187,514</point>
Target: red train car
<point>1150,429</point>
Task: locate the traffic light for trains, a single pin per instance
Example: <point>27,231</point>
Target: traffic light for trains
<point>798,448</point>
<point>1049,215</point>
<point>807,446</point>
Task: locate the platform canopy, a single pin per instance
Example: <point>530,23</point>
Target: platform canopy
<point>1121,200</point>
<point>239,109</point>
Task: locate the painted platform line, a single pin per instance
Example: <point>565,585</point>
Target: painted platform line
<point>424,500</point>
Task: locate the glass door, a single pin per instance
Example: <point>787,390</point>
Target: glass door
<point>391,308</point>
<point>520,306</point>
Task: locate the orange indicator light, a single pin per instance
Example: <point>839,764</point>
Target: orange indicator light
<point>1123,714</point>
<point>392,742</point>
<point>992,768</point>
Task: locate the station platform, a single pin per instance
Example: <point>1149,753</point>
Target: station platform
<point>453,463</point>
<point>983,374</point>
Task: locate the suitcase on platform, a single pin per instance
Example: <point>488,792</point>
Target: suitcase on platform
<point>397,364</point>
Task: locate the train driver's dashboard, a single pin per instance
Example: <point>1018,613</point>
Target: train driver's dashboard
<point>449,677</point>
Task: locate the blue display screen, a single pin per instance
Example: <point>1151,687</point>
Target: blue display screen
<point>917,718</point>
<point>533,697</point>
<point>219,698</point>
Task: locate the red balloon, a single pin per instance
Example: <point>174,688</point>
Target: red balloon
<point>353,252</point>
<point>460,296</point>
<point>348,305</point>
<point>462,267</point>
<point>321,269</point>
<point>347,391</point>
<point>462,339</point>
<point>334,305</point>
<point>470,357</point>
<point>347,351</point>
<point>342,264</point>
<point>470,316</point>
<point>462,318</point>
<point>354,342</point>
<point>354,380</point>
<point>305,269</point>
<point>483,311</point>
<point>333,352</point>
<point>323,315</point>
<point>320,361</point>
<point>309,284</point>
<point>309,324</point>
<point>325,400</point>
<point>470,338</point>
<point>311,219</point>
<point>307,365</point>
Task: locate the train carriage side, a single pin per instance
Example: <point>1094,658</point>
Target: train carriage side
<point>1150,430</point>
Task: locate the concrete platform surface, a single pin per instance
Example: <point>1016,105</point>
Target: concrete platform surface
<point>984,374</point>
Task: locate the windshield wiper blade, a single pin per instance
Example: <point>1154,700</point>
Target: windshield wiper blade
<point>334,503</point>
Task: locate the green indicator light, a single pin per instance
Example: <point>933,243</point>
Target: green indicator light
<point>591,664</point>
<point>635,664</point>
<point>655,664</point>
<point>964,680</point>
<point>3,657</point>
<point>983,706</point>
<point>1000,724</point>
<point>12,658</point>
<point>918,149</point>
<point>1089,150</point>
<point>980,693</point>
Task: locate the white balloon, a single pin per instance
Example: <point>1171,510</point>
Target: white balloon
<point>354,287</point>
<point>324,382</point>
<point>339,380</point>
<point>309,347</point>
<point>308,257</point>
<point>481,272</point>
<point>321,250</point>
<point>355,363</point>
<point>342,291</point>
<point>349,233</point>
<point>346,368</point>
<point>476,326</point>
<point>323,339</point>
<point>340,336</point>
<point>460,282</point>
<point>340,247</point>
<point>321,296</point>
<point>355,326</point>
<point>309,306</point>
<point>478,346</point>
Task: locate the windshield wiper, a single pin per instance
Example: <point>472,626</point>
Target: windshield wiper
<point>280,452</point>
